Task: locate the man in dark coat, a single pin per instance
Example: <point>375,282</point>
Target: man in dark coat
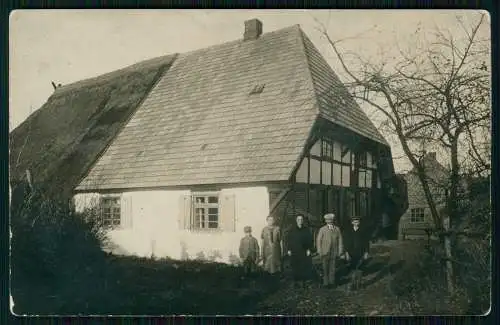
<point>356,244</point>
<point>300,244</point>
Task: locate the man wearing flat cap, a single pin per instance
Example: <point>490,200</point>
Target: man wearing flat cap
<point>330,246</point>
<point>356,243</point>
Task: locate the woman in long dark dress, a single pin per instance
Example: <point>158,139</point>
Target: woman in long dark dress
<point>300,245</point>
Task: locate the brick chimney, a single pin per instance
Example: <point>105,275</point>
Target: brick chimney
<point>253,29</point>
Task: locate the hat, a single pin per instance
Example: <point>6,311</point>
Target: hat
<point>355,218</point>
<point>329,216</point>
<point>247,229</point>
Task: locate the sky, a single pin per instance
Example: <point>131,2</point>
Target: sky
<point>65,46</point>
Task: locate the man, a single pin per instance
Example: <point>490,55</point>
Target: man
<point>356,244</point>
<point>300,242</point>
<point>329,245</point>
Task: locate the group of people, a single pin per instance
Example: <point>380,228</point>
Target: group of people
<point>332,243</point>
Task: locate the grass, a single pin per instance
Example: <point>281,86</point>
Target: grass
<point>140,286</point>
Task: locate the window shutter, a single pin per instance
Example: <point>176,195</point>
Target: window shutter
<point>227,214</point>
<point>184,212</point>
<point>126,211</point>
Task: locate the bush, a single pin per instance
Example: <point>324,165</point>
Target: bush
<point>421,288</point>
<point>52,246</point>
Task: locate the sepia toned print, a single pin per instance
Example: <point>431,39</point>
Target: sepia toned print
<point>280,168</point>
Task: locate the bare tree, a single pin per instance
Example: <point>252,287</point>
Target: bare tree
<point>434,94</point>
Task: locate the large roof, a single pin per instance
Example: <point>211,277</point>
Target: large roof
<point>60,141</point>
<point>201,125</point>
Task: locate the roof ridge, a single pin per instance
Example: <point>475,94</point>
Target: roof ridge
<point>240,40</point>
<point>110,74</point>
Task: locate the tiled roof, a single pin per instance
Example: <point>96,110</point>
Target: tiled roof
<point>201,125</point>
<point>335,102</point>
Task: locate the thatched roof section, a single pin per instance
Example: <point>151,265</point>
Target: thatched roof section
<point>59,142</point>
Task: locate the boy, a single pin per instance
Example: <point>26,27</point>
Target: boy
<point>249,251</point>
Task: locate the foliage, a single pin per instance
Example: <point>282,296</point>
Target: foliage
<point>52,246</point>
<point>435,94</point>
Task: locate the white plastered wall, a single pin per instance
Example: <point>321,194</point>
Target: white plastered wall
<point>154,229</point>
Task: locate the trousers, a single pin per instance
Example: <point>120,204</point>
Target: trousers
<point>248,266</point>
<point>329,267</point>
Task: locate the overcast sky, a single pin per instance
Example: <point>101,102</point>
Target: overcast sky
<point>65,46</point>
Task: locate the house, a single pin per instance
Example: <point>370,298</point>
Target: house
<point>417,217</point>
<point>229,135</point>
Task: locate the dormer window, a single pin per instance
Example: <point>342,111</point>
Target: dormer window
<point>257,89</point>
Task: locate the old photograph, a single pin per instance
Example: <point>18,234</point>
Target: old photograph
<point>250,162</point>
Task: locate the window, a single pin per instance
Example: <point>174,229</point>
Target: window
<point>257,89</point>
<point>417,215</point>
<point>362,159</point>
<point>326,149</point>
<point>205,211</point>
<point>110,211</point>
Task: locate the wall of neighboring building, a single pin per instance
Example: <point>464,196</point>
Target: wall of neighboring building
<point>417,200</point>
<point>157,223</point>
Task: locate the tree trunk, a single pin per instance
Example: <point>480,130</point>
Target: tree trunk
<point>447,250</point>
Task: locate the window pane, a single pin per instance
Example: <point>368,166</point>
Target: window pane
<point>326,149</point>
<point>301,176</point>
<point>200,199</point>
<point>315,171</point>
<point>213,218</point>
<point>362,159</point>
<point>212,225</point>
<point>337,174</point>
<point>213,199</point>
<point>326,176</point>
<point>106,211</point>
<point>369,178</point>
<point>361,178</point>
<point>346,176</point>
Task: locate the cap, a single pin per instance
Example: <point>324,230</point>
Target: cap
<point>355,218</point>
<point>329,216</point>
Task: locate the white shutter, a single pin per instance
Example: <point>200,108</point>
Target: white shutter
<point>227,215</point>
<point>126,212</point>
<point>184,217</point>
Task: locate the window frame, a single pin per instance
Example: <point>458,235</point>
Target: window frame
<point>115,222</point>
<point>203,224</point>
<point>414,217</point>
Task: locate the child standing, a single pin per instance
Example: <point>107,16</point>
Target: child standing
<point>249,251</point>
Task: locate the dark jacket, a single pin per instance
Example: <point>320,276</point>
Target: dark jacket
<point>299,240</point>
<point>249,248</point>
<point>356,243</point>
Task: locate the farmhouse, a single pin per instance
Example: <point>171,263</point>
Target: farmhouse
<point>225,136</point>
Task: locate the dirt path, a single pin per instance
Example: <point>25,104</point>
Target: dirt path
<point>374,298</point>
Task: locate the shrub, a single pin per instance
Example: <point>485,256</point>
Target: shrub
<point>51,245</point>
